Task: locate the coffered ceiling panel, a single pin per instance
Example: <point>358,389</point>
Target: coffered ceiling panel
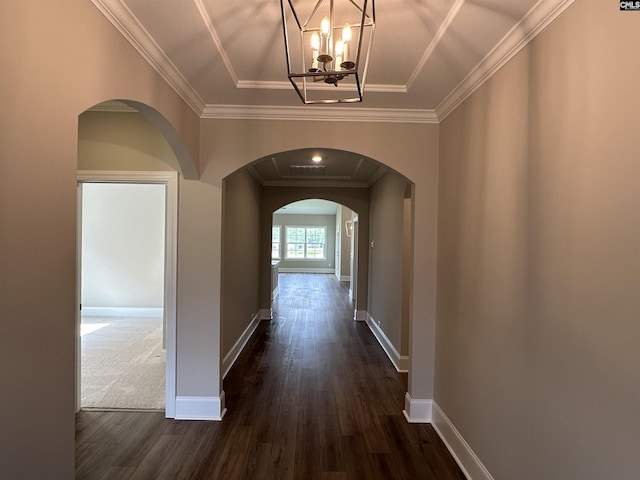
<point>333,168</point>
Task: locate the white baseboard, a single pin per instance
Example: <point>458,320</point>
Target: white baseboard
<point>345,278</point>
<point>401,362</point>
<point>465,457</point>
<point>417,410</point>
<point>200,408</point>
<point>305,270</point>
<point>121,312</point>
<point>266,314</point>
<point>231,357</point>
<point>360,315</point>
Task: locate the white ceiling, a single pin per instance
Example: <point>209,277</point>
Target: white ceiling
<point>309,207</point>
<point>226,58</point>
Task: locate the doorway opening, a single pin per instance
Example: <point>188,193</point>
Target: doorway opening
<point>314,236</point>
<point>126,290</point>
<point>380,276</point>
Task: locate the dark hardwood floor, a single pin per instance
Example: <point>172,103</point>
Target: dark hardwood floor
<point>312,396</point>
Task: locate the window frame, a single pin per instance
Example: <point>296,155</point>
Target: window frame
<point>279,241</point>
<point>306,243</point>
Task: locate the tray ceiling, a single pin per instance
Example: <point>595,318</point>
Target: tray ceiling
<point>227,58</point>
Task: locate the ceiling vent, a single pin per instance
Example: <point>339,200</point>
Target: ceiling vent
<point>307,170</point>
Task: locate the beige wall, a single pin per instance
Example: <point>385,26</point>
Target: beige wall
<point>386,256</point>
<point>407,258</point>
<point>240,256</point>
<point>199,284</point>
<point>48,78</point>
<point>345,243</point>
<point>538,333</point>
<point>122,141</point>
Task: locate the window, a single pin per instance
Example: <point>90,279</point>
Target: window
<point>306,243</point>
<point>275,241</point>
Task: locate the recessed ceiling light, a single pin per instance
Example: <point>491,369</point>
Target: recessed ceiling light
<point>317,158</point>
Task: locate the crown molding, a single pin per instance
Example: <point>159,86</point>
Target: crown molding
<point>123,19</point>
<point>319,113</point>
<point>376,176</point>
<point>541,15</point>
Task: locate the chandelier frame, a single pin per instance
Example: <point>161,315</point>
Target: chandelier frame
<point>315,76</point>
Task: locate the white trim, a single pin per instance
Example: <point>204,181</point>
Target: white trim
<point>206,18</point>
<point>123,176</point>
<point>464,456</point>
<point>121,312</point>
<point>266,314</point>
<point>417,410</point>
<point>78,358</point>
<point>305,270</point>
<point>231,357</point>
<point>132,30</point>
<point>318,113</point>
<point>444,26</point>
<point>345,278</point>
<point>171,291</point>
<point>537,19</point>
<point>200,408</point>
<point>360,315</point>
<point>170,179</point>
<point>399,361</point>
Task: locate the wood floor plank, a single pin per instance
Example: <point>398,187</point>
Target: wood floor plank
<point>118,473</point>
<point>283,451</point>
<point>312,396</point>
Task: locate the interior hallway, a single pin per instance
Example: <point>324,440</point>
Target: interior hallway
<point>312,396</point>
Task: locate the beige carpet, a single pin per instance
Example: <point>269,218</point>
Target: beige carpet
<point>123,363</point>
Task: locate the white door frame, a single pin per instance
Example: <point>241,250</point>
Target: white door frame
<point>170,180</point>
<point>355,233</point>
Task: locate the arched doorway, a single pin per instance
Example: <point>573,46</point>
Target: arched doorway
<point>121,146</point>
<point>314,236</point>
<point>382,199</point>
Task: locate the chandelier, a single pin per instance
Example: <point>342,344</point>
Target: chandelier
<point>328,54</point>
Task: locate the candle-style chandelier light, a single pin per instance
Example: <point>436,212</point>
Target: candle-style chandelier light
<point>332,50</point>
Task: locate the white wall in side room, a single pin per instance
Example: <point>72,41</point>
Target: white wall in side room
<point>122,246</point>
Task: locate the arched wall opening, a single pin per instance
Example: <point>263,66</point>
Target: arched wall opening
<point>356,199</point>
<point>122,145</point>
<point>313,236</point>
<point>384,207</point>
<point>130,135</point>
